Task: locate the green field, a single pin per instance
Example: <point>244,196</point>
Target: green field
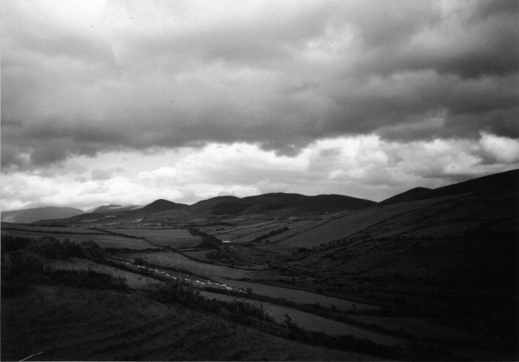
<point>344,226</point>
<point>178,261</point>
<point>106,241</point>
<point>76,264</point>
<point>198,255</point>
<point>175,238</point>
<point>315,323</point>
<point>300,296</point>
<point>50,229</point>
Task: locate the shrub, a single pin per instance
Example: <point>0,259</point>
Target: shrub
<point>13,288</point>
<point>14,243</point>
<point>26,261</point>
<point>139,261</point>
<point>52,248</point>
<point>88,279</point>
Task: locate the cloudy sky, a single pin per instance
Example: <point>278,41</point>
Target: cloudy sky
<point>117,101</point>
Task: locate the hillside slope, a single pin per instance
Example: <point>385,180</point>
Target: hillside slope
<point>501,181</point>
<point>82,324</point>
<point>410,195</point>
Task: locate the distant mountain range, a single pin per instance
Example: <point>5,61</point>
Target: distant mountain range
<point>273,204</point>
<point>28,216</point>
<point>279,203</point>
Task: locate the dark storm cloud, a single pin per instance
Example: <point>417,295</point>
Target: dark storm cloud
<point>72,46</point>
<point>414,36</point>
<point>282,78</point>
<point>485,9</point>
<point>244,41</point>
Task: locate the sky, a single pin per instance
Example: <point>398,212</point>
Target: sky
<point>126,102</point>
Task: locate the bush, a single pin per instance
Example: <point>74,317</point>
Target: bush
<point>29,255</point>
<point>91,250</point>
<point>52,248</point>
<point>139,261</point>
<point>14,243</point>
<point>88,279</point>
<point>26,261</point>
<point>13,288</point>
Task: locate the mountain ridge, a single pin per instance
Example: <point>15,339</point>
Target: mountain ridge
<point>283,204</point>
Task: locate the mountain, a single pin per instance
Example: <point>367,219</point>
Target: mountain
<point>280,203</point>
<point>273,204</point>
<point>112,207</point>
<point>159,205</point>
<point>503,181</point>
<point>283,204</point>
<point>40,213</point>
<point>119,214</point>
<point>205,206</point>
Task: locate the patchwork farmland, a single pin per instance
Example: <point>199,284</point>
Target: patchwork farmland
<point>428,279</point>
<point>174,238</point>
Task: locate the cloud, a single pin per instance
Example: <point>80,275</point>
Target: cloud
<point>83,79</point>
<point>367,167</point>
<point>98,174</point>
<point>501,149</point>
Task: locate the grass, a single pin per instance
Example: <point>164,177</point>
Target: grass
<point>50,229</point>
<point>170,259</point>
<point>83,265</point>
<point>175,238</point>
<point>311,322</point>
<point>103,240</point>
<point>81,324</point>
<point>300,296</point>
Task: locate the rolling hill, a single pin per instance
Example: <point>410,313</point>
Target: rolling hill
<point>159,205</point>
<point>501,181</point>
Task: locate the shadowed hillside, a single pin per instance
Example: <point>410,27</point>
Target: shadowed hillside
<point>501,181</point>
<point>413,194</point>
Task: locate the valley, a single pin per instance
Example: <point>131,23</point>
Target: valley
<point>426,275</point>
